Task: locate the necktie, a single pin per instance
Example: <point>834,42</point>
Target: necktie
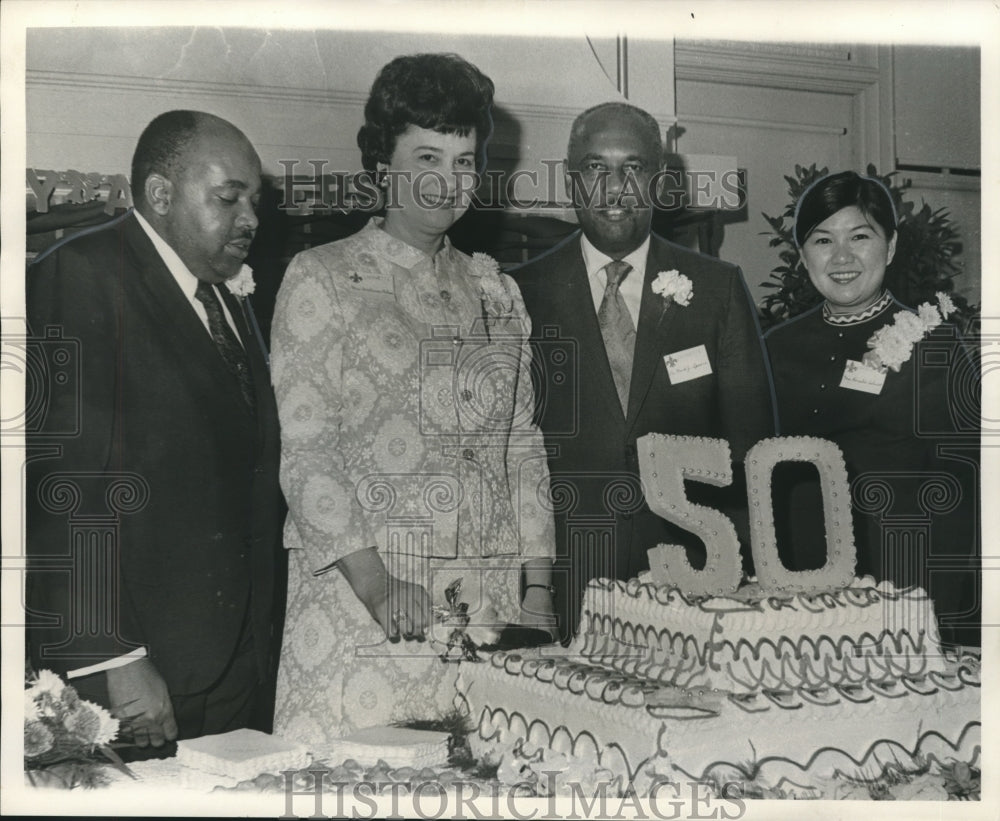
<point>617,329</point>
<point>225,340</point>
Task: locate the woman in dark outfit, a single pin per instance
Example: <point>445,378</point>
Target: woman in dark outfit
<point>909,431</point>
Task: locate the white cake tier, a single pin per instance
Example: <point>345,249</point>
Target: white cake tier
<point>749,641</point>
<point>789,741</point>
<point>396,746</point>
<point>241,754</point>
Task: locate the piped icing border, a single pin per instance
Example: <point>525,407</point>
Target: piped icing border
<point>600,685</point>
<point>622,738</point>
<point>753,641</point>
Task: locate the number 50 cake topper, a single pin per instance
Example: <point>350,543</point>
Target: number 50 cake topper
<point>666,461</point>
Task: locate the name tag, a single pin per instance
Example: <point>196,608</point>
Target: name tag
<point>683,366</point>
<point>376,283</point>
<point>859,377</point>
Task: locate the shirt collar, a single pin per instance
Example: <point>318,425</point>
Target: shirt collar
<point>187,281</point>
<point>399,252</point>
<point>595,260</point>
<point>872,310</point>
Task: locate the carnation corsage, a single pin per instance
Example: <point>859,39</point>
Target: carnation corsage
<point>674,286</point>
<point>497,301</point>
<point>892,345</point>
<point>242,285</point>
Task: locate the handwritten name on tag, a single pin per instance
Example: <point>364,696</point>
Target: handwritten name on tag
<point>859,377</point>
<point>375,283</point>
<point>682,366</point>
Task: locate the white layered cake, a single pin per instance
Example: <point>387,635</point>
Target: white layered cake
<point>722,710</point>
<point>752,641</point>
<point>781,690</point>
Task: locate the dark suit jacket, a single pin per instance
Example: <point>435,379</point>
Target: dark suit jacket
<point>154,513</point>
<point>592,444</point>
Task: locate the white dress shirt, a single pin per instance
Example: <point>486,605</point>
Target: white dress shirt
<point>630,287</point>
<point>187,281</point>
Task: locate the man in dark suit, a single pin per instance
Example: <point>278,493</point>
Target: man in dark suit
<point>154,512</point>
<point>620,361</point>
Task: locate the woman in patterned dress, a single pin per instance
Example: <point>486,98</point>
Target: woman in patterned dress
<point>409,455</point>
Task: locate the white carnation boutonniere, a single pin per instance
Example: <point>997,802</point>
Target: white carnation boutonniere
<point>892,345</point>
<point>242,285</point>
<point>673,286</point>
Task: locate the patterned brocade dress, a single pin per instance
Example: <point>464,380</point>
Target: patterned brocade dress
<point>406,405</point>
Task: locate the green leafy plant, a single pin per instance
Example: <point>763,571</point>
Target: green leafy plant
<point>923,265</point>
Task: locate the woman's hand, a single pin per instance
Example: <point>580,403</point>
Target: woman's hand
<point>538,610</point>
<point>537,607</point>
<point>403,609</point>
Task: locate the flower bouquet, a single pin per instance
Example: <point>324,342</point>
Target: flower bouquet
<point>66,739</point>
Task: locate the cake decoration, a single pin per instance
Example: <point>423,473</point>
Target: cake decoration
<point>840,552</point>
<point>664,463</point>
<point>548,772</point>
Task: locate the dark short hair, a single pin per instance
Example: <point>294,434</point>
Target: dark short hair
<point>647,125</point>
<point>162,145</point>
<point>831,193</point>
<point>439,92</point>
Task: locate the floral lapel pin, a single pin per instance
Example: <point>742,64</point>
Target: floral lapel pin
<point>242,285</point>
<point>673,286</point>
